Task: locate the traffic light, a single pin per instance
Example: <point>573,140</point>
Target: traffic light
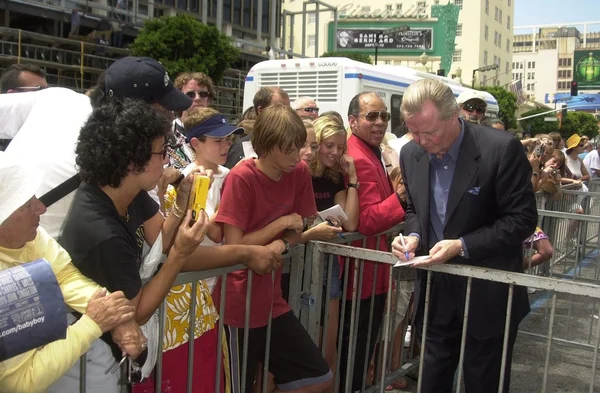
<point>574,88</point>
<point>564,111</point>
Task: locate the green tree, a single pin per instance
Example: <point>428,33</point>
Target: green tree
<point>537,125</point>
<point>350,55</point>
<point>507,101</point>
<point>581,123</point>
<point>182,43</point>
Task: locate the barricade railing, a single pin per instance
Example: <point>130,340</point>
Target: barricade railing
<point>310,267</point>
<point>557,288</point>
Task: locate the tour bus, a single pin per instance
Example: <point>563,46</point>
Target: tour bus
<point>333,81</point>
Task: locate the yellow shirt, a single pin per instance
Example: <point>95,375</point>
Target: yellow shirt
<point>178,308</point>
<point>179,299</point>
<point>37,369</point>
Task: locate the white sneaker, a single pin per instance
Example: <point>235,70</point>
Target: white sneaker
<point>407,337</point>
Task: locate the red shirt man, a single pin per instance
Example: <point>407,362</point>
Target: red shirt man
<point>380,210</point>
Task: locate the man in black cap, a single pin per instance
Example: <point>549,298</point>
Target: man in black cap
<point>140,78</point>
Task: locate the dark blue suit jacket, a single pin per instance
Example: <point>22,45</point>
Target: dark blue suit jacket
<point>491,205</point>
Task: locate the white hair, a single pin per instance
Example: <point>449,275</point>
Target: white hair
<point>301,102</point>
<point>424,90</point>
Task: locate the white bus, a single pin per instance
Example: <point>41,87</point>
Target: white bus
<point>333,81</point>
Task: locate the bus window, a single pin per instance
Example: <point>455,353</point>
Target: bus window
<point>398,127</point>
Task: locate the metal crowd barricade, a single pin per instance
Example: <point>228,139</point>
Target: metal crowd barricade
<point>559,318</point>
<point>557,288</point>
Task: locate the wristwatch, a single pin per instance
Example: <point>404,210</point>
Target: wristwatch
<point>287,246</point>
<point>354,185</point>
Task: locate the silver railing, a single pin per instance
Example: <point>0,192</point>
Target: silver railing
<point>563,324</point>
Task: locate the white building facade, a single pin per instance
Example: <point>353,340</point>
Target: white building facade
<point>537,72</point>
<point>545,65</point>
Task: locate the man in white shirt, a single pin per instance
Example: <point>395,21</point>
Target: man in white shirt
<point>592,163</point>
<point>45,124</point>
<point>398,143</point>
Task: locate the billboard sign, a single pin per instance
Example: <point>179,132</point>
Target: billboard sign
<point>586,71</point>
<point>582,102</point>
<point>420,39</point>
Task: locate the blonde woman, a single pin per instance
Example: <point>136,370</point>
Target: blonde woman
<point>310,148</point>
<point>334,183</point>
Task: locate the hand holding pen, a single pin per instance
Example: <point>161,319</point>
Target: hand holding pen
<point>331,223</point>
<point>404,247</point>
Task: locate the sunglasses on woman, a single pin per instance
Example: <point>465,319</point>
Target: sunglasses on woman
<point>192,94</point>
<point>163,152</point>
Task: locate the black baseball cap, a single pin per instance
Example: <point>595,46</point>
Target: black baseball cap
<point>145,79</point>
<point>215,126</point>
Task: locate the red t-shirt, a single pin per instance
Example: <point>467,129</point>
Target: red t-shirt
<point>250,201</point>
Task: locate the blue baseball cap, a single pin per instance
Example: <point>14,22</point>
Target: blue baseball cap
<point>215,126</point>
<point>145,79</point>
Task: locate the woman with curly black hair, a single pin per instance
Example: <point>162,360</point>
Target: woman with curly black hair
<point>121,152</point>
<point>121,138</point>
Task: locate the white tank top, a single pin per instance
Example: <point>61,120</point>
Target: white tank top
<point>574,166</point>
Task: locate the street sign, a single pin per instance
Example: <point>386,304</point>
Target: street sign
<point>550,119</point>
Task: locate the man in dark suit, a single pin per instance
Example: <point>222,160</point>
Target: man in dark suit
<point>475,207</point>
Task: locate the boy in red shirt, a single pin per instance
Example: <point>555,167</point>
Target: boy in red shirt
<point>263,203</point>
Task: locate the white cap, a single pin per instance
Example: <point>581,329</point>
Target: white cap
<point>18,184</point>
<point>470,95</point>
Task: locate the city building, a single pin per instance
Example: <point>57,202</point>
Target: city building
<point>74,41</point>
<point>98,22</point>
<point>481,37</point>
<point>547,65</point>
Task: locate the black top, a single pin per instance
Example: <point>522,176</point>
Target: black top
<point>236,152</point>
<point>325,190</point>
<point>104,246</point>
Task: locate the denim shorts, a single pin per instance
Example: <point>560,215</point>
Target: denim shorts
<point>335,291</point>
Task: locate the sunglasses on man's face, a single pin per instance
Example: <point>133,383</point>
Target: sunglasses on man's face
<point>474,107</point>
<point>373,115</point>
<point>192,94</point>
<point>311,109</point>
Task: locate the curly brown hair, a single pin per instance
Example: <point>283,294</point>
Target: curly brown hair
<point>200,77</point>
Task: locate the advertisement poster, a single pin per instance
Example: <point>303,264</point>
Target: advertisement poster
<point>582,102</point>
<point>414,39</point>
<point>32,308</point>
<point>586,69</point>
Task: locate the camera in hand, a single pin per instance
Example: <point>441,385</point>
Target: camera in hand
<point>198,195</point>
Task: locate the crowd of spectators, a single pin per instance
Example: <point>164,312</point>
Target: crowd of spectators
<point>108,178</point>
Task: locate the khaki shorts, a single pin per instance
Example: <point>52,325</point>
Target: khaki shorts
<point>404,294</point>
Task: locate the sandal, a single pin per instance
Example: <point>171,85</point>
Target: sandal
<point>399,384</point>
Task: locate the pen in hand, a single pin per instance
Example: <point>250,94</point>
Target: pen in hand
<point>333,225</point>
<point>404,245</point>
